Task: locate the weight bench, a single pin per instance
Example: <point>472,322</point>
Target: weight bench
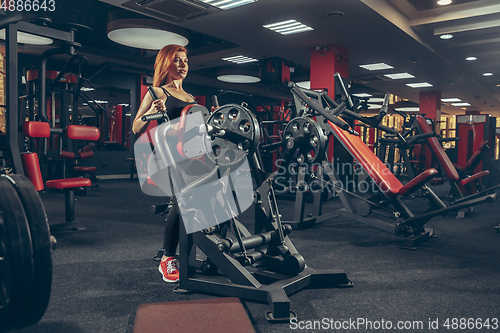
<point>36,129</point>
<point>458,179</point>
<point>407,223</point>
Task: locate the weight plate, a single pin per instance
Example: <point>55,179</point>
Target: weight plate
<point>242,133</point>
<point>17,259</point>
<point>37,304</point>
<point>305,141</point>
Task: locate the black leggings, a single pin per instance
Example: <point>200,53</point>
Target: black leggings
<point>171,237</point>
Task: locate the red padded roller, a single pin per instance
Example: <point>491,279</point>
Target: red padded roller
<point>88,147</point>
<point>67,155</point>
<point>85,169</point>
<point>86,154</point>
<point>68,183</point>
<point>78,132</point>
<point>32,169</point>
<point>36,129</point>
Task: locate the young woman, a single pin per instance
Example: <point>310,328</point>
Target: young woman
<point>170,70</point>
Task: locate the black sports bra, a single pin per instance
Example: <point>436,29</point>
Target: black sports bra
<point>174,105</point>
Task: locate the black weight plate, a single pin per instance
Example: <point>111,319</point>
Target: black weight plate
<point>309,142</point>
<point>19,251</point>
<point>5,275</point>
<point>42,254</point>
<point>240,125</point>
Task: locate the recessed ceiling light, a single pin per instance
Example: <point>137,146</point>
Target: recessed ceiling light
<point>362,95</point>
<point>227,4</point>
<point>443,2</point>
<point>146,38</point>
<point>399,76</point>
<point>238,76</point>
<point>240,59</point>
<point>86,89</point>
<point>25,38</point>
<point>419,85</point>
<point>471,58</point>
<point>376,67</point>
<point>447,36</point>
<point>460,104</point>
<point>487,74</point>
<point>408,109</point>
<point>288,27</point>
<point>450,100</point>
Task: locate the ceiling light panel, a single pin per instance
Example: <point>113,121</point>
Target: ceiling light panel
<point>471,58</point>
<point>419,85</point>
<point>288,27</point>
<point>400,76</point>
<point>376,67</point>
<point>362,95</point>
<point>450,100</point>
<point>460,104</point>
<point>227,4</point>
<point>240,59</point>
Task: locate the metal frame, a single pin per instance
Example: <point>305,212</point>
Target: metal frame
<point>10,146</point>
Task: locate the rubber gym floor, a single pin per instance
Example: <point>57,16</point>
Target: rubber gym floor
<point>103,273</point>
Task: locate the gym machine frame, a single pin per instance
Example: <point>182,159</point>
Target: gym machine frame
<point>263,267</point>
<point>407,224</point>
<point>12,24</point>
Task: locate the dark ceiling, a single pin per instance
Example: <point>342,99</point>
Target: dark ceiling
<point>402,33</point>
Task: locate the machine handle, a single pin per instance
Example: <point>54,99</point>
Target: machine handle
<point>152,93</point>
<point>156,116</point>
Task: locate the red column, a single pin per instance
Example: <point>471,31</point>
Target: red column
<point>326,61</point>
<point>430,105</point>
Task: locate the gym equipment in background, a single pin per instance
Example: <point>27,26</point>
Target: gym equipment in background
<point>388,197</point>
<point>38,129</point>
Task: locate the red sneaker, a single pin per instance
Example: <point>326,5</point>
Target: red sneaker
<point>169,270</point>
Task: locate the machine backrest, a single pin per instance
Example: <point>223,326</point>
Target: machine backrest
<point>437,149</point>
<point>377,170</point>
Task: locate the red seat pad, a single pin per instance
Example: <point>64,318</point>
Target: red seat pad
<point>475,176</point>
<point>36,129</point>
<point>438,150</point>
<point>377,170</point>
<point>79,132</point>
<point>150,181</point>
<point>418,181</point>
<point>68,183</point>
<point>84,168</point>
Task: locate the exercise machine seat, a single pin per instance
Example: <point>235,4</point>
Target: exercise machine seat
<point>377,170</point>
<point>438,150</point>
<point>67,183</point>
<point>474,177</point>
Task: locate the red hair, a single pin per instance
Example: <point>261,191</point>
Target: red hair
<point>163,61</point>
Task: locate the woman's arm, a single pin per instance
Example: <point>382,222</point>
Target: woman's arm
<point>147,107</point>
